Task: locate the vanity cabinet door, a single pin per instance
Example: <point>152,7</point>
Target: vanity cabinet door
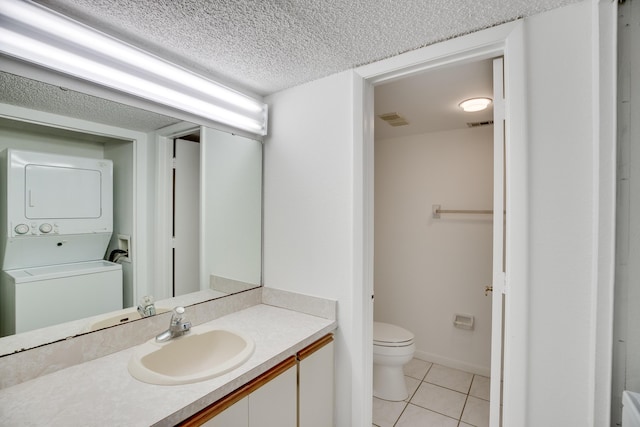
<point>299,392</point>
<point>316,384</point>
<point>234,416</point>
<point>275,403</point>
<point>269,400</point>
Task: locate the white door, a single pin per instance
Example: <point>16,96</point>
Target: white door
<point>498,281</point>
<point>186,217</point>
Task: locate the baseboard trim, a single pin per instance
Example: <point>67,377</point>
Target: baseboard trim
<point>453,363</point>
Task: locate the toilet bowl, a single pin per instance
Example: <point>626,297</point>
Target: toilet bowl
<point>393,347</point>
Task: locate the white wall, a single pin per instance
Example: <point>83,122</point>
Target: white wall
<point>231,187</point>
<point>427,269</point>
<point>308,207</point>
<point>121,154</point>
<point>28,139</point>
<point>309,175</point>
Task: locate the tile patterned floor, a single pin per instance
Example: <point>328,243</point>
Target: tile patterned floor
<point>438,397</point>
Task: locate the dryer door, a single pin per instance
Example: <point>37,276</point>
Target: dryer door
<point>54,192</point>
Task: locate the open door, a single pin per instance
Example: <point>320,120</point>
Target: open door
<point>498,281</point>
<point>186,217</point>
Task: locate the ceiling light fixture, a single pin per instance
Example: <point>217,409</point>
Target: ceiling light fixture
<point>38,35</point>
<point>475,104</point>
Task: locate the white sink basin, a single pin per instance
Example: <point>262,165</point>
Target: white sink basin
<point>122,316</point>
<point>201,354</point>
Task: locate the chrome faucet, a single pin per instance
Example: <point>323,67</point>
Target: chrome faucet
<point>146,307</point>
<point>178,326</point>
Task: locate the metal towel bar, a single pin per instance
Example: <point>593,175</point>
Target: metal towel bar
<point>437,210</point>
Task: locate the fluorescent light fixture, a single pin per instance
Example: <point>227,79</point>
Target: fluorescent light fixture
<point>38,35</point>
<point>475,104</point>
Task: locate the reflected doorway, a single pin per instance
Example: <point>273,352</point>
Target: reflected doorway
<point>186,215</point>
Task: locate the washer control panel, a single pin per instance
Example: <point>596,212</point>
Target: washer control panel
<point>35,229</point>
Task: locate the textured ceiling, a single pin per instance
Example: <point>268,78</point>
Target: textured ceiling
<point>266,46</point>
<point>23,92</point>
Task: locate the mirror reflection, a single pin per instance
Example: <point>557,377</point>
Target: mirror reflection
<point>109,212</point>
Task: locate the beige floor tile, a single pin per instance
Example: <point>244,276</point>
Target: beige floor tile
<point>386,413</point>
<point>439,399</point>
<point>480,387</point>
<point>417,368</point>
<point>412,386</point>
<point>449,378</point>
<point>476,412</point>
<point>414,416</point>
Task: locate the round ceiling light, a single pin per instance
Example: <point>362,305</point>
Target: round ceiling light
<point>475,104</point>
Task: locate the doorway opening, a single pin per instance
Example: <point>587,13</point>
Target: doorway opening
<point>186,222</point>
<point>434,182</point>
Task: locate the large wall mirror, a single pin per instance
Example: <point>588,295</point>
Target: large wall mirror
<point>187,201</point>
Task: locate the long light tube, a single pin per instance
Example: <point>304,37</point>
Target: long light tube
<point>27,31</point>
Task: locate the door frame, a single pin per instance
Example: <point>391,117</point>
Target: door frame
<point>506,40</point>
<point>163,273</point>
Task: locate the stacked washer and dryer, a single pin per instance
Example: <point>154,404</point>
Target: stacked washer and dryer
<point>56,221</point>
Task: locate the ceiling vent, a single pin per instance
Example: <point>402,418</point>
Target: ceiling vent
<point>478,124</point>
<point>394,119</point>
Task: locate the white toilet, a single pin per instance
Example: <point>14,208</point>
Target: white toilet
<point>393,347</point>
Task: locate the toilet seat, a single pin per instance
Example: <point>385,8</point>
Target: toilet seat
<point>387,335</point>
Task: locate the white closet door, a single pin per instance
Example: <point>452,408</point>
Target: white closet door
<point>186,217</point>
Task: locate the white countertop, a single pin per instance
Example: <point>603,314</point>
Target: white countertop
<point>102,392</point>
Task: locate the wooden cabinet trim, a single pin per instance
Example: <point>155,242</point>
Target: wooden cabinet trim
<point>308,351</point>
<point>215,408</point>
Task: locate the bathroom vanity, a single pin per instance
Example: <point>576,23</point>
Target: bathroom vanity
<point>289,344</point>
<point>296,392</point>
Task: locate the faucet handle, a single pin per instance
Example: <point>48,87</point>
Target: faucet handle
<point>146,307</point>
<point>178,312</point>
<point>179,320</point>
